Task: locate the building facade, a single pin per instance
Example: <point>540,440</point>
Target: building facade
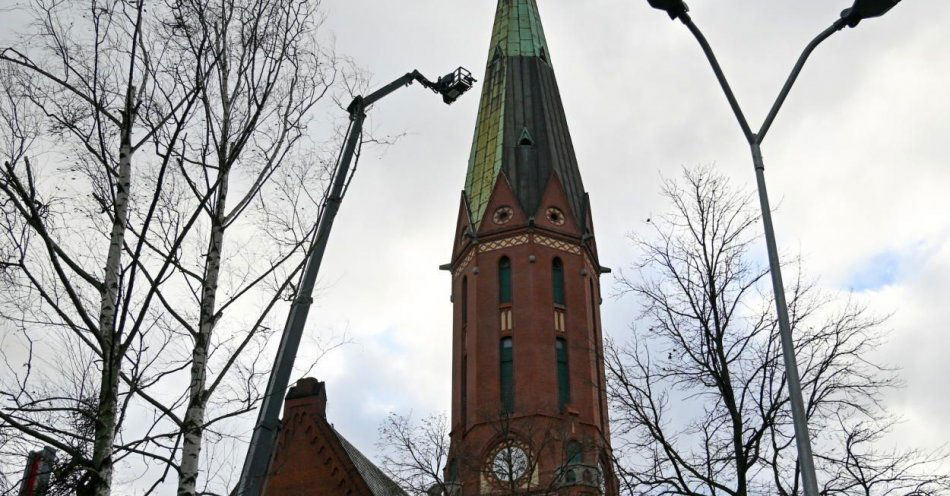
<point>311,458</point>
<point>529,411</point>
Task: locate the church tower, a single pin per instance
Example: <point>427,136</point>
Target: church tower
<point>529,411</point>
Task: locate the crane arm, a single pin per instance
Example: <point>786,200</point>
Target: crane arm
<point>407,79</point>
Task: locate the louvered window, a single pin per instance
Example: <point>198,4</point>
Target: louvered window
<point>504,280</point>
<point>557,280</point>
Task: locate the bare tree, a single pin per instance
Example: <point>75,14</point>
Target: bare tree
<point>86,71</point>
<point>133,144</point>
<point>698,396</point>
<point>417,456</point>
<point>244,151</point>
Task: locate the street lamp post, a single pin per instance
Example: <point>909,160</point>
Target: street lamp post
<point>862,9</point>
<point>260,450</point>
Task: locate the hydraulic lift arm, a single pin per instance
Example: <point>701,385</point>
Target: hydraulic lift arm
<point>261,448</point>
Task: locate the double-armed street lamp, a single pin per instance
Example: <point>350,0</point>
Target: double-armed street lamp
<point>259,453</point>
<point>862,9</point>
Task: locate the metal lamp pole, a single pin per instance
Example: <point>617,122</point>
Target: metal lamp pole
<point>862,9</point>
<point>260,450</point>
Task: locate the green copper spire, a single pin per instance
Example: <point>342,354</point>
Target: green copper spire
<point>521,130</point>
<point>517,33</point>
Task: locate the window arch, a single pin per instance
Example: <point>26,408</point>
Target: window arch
<point>504,280</point>
<point>506,360</point>
<point>557,281</point>
<point>563,373</point>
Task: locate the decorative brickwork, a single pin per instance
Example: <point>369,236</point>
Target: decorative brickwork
<point>518,240</point>
<point>464,264</point>
<point>557,244</point>
<point>502,243</point>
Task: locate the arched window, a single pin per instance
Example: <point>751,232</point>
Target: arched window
<point>563,373</point>
<point>464,304</point>
<point>593,302</point>
<point>463,376</point>
<point>574,453</point>
<point>557,281</point>
<point>454,470</point>
<point>504,280</point>
<point>507,375</point>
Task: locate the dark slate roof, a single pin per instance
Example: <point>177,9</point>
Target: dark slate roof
<point>521,130</point>
<point>379,484</point>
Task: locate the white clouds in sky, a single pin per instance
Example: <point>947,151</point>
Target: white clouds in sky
<point>856,162</point>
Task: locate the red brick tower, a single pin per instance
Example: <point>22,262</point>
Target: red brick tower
<point>529,412</point>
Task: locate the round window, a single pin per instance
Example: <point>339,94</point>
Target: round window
<point>556,216</point>
<point>503,215</point>
<point>509,462</point>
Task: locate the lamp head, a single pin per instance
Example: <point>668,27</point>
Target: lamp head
<point>866,9</point>
<point>454,84</point>
<point>674,8</point>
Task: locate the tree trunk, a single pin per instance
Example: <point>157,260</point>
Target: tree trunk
<point>193,421</point>
<point>107,414</point>
<point>725,383</point>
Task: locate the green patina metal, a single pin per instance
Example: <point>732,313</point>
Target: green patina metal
<point>517,33</point>
<point>518,29</point>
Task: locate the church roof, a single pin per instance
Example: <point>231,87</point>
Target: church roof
<point>379,484</point>
<point>312,457</point>
<point>521,130</point>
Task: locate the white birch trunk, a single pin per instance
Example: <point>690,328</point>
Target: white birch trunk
<point>194,416</point>
<point>108,407</point>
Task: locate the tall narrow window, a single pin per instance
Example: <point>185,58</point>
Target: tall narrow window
<point>575,453</point>
<point>507,376</point>
<point>504,280</point>
<point>454,471</point>
<point>464,301</point>
<point>593,304</point>
<point>563,374</point>
<point>557,280</point>
<point>463,379</point>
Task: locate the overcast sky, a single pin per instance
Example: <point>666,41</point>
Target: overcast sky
<point>857,162</point>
